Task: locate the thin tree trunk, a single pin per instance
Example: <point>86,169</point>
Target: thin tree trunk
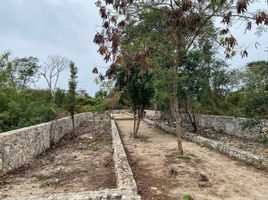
<point>73,126</point>
<point>191,115</point>
<point>194,121</point>
<point>138,121</point>
<point>137,128</point>
<point>155,115</point>
<point>134,126</point>
<point>177,114</point>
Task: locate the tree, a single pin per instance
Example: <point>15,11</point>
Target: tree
<point>24,71</point>
<point>18,72</point>
<point>256,88</point>
<point>187,26</point>
<point>52,69</point>
<point>136,88</point>
<point>6,69</point>
<point>72,92</point>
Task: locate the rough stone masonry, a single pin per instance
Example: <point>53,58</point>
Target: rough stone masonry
<point>20,146</point>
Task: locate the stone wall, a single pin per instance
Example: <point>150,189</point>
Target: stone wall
<point>125,179</point>
<point>108,194</point>
<point>224,124</point>
<point>18,147</point>
<point>247,157</point>
<point>227,124</point>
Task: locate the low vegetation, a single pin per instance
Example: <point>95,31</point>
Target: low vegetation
<point>22,105</point>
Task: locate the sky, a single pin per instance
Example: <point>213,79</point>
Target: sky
<point>53,27</point>
<point>67,27</point>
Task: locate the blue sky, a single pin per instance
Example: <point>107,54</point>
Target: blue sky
<point>66,27</point>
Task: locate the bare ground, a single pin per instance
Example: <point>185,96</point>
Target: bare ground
<point>162,175</point>
<point>255,147</point>
<point>82,163</point>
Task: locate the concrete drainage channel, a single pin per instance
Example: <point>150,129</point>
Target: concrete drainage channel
<point>126,185</point>
<point>245,156</point>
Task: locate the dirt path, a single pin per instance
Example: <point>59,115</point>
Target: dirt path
<point>82,163</point>
<point>161,174</point>
<point>256,147</point>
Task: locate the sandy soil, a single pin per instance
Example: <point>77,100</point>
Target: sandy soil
<point>162,175</point>
<point>82,163</point>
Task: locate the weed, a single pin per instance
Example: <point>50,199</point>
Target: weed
<point>242,146</point>
<point>44,184</point>
<point>264,139</point>
<point>184,157</point>
<point>187,197</point>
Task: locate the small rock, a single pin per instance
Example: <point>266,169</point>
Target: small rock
<point>203,178</point>
<point>204,181</point>
<point>156,191</point>
<point>172,170</point>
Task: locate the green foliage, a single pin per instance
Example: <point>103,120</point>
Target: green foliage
<point>60,97</point>
<point>256,88</point>
<point>162,88</point>
<point>250,123</point>
<point>6,69</point>
<point>21,106</point>
<point>257,105</point>
<point>187,197</point>
<point>24,71</point>
<point>72,91</point>
<point>95,106</point>
<point>184,157</point>
<point>19,72</point>
<point>25,108</point>
<point>137,89</point>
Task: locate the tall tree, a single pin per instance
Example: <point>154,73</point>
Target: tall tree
<point>6,70</point>
<point>52,69</point>
<point>19,72</point>
<point>72,93</point>
<point>136,88</point>
<point>25,71</point>
<point>187,24</point>
<point>256,89</point>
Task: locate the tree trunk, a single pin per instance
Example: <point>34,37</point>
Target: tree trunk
<point>191,115</point>
<point>137,121</point>
<point>177,114</point>
<point>137,128</point>
<point>73,126</point>
<point>134,126</point>
<point>155,115</point>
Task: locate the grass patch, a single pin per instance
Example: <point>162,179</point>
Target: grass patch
<point>44,184</point>
<point>184,157</point>
<point>187,197</point>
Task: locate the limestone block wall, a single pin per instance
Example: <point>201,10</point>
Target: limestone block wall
<point>227,124</point>
<point>18,147</point>
<point>125,179</point>
<point>239,154</point>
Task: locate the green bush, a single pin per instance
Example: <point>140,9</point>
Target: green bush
<point>24,108</point>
